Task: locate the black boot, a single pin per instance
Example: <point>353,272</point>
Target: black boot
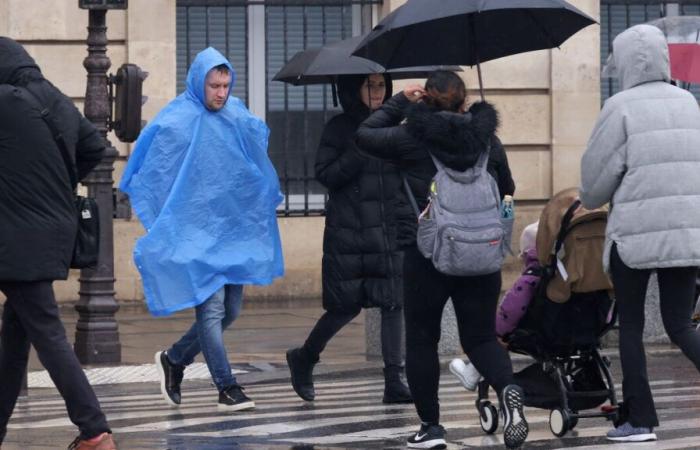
<point>301,367</point>
<point>395,391</point>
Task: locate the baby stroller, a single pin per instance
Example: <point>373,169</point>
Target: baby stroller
<point>564,322</point>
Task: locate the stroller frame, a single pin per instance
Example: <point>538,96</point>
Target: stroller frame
<point>561,368</point>
<point>563,418</point>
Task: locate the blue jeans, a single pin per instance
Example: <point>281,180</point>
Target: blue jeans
<point>207,335</point>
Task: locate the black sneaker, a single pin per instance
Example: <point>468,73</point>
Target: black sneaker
<point>515,427</point>
<point>170,378</point>
<point>233,399</point>
<point>429,436</point>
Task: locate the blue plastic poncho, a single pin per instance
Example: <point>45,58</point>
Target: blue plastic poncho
<point>204,188</point>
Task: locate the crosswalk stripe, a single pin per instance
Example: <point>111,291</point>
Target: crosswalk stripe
<point>666,444</point>
<point>345,411</point>
<point>263,398</point>
<point>181,423</point>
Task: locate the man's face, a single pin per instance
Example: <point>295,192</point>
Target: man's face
<point>216,88</point>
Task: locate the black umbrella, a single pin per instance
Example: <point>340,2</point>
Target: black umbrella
<point>324,64</point>
<point>469,32</point>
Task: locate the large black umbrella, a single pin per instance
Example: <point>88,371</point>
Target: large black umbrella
<point>324,64</point>
<point>468,32</point>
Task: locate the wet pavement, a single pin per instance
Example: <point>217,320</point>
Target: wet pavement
<point>347,413</point>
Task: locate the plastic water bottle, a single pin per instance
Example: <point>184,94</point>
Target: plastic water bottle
<point>507,210</point>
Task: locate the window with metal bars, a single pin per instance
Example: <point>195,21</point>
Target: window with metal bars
<point>618,15</point>
<point>259,37</point>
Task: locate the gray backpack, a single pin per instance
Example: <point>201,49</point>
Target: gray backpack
<point>462,230</point>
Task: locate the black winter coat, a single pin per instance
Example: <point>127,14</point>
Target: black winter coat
<point>455,139</point>
<point>361,263</point>
<point>37,208</point>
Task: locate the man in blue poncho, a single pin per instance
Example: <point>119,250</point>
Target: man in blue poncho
<point>202,185</point>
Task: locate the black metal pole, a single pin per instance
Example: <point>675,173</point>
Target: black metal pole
<point>97,332</point>
<point>475,47</point>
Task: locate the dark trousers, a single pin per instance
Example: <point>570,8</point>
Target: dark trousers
<point>333,321</point>
<point>30,316</point>
<point>676,292</point>
<point>475,299</point>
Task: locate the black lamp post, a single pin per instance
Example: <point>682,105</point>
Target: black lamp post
<point>97,332</point>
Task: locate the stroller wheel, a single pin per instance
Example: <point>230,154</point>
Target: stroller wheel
<point>573,421</point>
<point>559,422</point>
<point>488,417</point>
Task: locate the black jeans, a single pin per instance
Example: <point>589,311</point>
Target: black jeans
<point>30,316</point>
<point>333,321</point>
<point>676,292</point>
<point>475,299</point>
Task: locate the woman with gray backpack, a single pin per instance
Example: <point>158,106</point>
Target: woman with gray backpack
<point>455,174</point>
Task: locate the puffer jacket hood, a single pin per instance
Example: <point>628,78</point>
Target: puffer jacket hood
<point>641,55</point>
<point>206,60</point>
<point>457,140</point>
<point>15,62</point>
<point>349,95</point>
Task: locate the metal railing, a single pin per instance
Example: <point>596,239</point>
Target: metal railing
<point>618,15</point>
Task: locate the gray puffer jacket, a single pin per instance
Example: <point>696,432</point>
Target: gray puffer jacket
<point>644,158</point>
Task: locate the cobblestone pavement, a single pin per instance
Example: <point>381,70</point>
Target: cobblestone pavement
<point>347,414</point>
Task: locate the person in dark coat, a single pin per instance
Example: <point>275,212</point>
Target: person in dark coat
<point>37,235</point>
<point>439,126</point>
<point>361,263</point>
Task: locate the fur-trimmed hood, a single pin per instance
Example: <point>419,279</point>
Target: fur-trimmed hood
<point>457,140</point>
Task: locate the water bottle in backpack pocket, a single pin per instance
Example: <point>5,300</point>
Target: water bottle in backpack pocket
<point>462,230</point>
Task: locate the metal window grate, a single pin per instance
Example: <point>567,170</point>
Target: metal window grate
<point>295,115</point>
<point>222,27</point>
<point>618,15</point>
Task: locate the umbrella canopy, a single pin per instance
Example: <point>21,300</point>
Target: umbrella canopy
<point>683,37</point>
<point>324,64</point>
<point>468,32</point>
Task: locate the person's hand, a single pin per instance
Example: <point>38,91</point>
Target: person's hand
<point>414,92</point>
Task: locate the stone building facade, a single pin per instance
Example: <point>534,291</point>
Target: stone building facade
<point>548,101</point>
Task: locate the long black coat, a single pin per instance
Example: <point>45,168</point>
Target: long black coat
<point>37,210</point>
<point>457,140</point>
<point>361,263</point>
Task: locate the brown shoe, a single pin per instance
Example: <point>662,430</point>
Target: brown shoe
<point>103,441</point>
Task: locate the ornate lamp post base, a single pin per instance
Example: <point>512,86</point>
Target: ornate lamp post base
<point>97,332</point>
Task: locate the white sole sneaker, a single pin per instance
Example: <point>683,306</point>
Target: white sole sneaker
<point>515,428</point>
<point>431,444</point>
<point>635,438</point>
<point>161,375</point>
<point>236,407</point>
<point>459,369</point>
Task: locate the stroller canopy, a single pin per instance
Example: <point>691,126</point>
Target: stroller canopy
<point>578,264</point>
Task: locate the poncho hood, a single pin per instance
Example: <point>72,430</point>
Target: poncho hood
<point>205,61</point>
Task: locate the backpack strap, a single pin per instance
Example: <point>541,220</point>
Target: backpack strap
<point>57,136</point>
<point>564,228</point>
<point>482,162</point>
